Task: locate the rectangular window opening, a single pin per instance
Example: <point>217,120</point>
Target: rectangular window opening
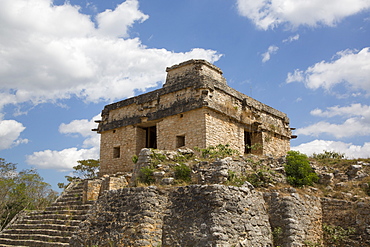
<point>116,152</point>
<point>180,141</point>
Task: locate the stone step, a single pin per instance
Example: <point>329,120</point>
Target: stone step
<point>38,237</point>
<point>69,199</point>
<point>29,243</point>
<point>85,207</point>
<point>64,217</point>
<point>58,212</point>
<point>39,231</point>
<point>57,227</point>
<point>50,221</point>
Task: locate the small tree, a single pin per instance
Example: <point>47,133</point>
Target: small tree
<point>86,169</point>
<point>21,190</point>
<point>298,170</point>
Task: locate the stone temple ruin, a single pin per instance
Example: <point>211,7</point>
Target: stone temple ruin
<point>194,108</point>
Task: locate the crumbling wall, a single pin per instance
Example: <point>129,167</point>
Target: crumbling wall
<point>349,214</point>
<point>196,215</point>
<point>295,219</point>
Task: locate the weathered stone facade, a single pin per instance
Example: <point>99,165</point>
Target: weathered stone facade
<point>195,108</point>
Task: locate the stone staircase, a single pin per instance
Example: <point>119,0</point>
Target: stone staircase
<point>52,227</point>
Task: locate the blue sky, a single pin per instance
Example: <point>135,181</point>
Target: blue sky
<point>61,62</point>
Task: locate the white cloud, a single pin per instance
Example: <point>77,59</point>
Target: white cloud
<point>356,123</point>
<point>67,158</point>
<point>10,131</point>
<point>353,110</point>
<point>52,52</point>
<point>271,13</point>
<point>61,160</point>
<point>350,67</point>
<point>350,150</point>
<point>116,23</point>
<point>267,55</point>
<point>291,39</point>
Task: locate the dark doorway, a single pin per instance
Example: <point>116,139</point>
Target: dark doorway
<point>151,137</point>
<point>247,142</point>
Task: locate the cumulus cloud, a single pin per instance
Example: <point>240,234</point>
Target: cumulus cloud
<point>350,67</point>
<point>65,159</point>
<point>267,14</point>
<point>356,122</point>
<point>10,131</point>
<point>350,150</point>
<point>52,52</point>
<point>267,55</point>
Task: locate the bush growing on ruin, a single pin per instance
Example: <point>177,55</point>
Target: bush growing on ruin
<point>183,173</point>
<point>146,175</point>
<point>298,170</point>
<point>219,151</point>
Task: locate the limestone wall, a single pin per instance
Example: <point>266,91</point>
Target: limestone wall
<point>197,215</point>
<point>220,130</point>
<point>124,139</point>
<point>189,125</point>
<point>295,219</point>
<point>349,214</point>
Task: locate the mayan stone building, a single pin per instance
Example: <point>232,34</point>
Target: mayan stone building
<point>194,108</point>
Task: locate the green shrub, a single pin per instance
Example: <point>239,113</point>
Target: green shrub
<point>261,178</point>
<point>157,158</point>
<point>328,155</point>
<point>135,158</point>
<point>234,180</point>
<point>298,170</point>
<point>146,175</point>
<point>183,173</point>
<point>336,235</point>
<point>219,151</point>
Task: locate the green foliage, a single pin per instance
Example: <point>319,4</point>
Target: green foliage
<point>261,178</point>
<point>234,180</point>
<point>328,155</point>
<point>183,173</point>
<point>24,190</point>
<point>135,159</point>
<point>336,235</point>
<point>157,158</point>
<point>146,175</point>
<point>219,151</point>
<point>298,170</point>
<point>86,169</point>
<point>277,235</point>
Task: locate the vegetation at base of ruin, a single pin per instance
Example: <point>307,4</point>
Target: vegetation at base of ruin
<point>298,170</point>
<point>182,173</point>
<point>157,158</point>
<point>86,169</point>
<point>234,180</point>
<point>336,235</point>
<point>135,159</point>
<point>219,151</point>
<point>328,155</point>
<point>146,175</point>
<point>260,178</point>
<point>21,190</point>
<point>277,234</point>
<point>311,244</point>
